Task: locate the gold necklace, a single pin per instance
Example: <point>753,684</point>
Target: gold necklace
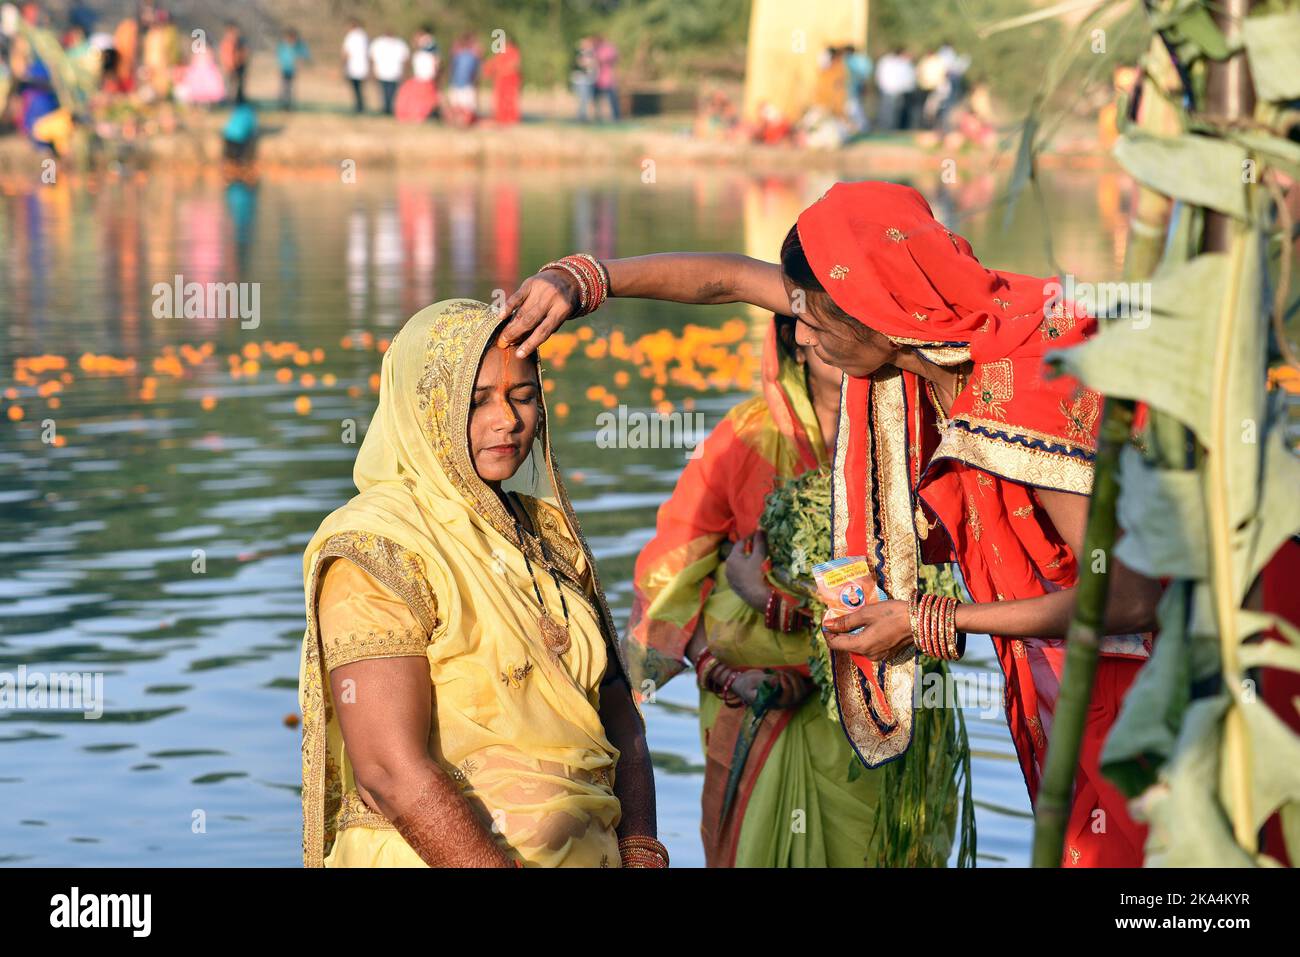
<point>923,524</point>
<point>959,383</point>
<point>555,636</point>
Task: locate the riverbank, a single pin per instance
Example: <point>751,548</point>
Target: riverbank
<point>305,140</point>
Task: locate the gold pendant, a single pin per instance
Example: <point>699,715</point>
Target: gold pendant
<point>554,635</point>
<point>922,524</point>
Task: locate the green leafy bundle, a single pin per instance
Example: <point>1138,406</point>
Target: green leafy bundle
<point>797,522</point>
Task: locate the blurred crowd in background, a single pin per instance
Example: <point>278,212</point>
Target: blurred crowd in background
<point>856,95</point>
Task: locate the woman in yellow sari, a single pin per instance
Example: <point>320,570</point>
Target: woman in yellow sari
<point>463,701</point>
<point>795,795</point>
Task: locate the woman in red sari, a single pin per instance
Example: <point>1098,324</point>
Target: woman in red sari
<point>951,432</point>
<point>505,70</point>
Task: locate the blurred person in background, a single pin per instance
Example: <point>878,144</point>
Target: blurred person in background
<point>417,97</point>
<point>859,67</point>
<point>161,54</point>
<point>289,52</point>
<point>201,82</point>
<point>462,96</point>
<point>388,56</point>
<point>126,41</point>
<point>932,87</point>
<point>582,77</point>
<point>356,61</point>
<point>505,71</point>
<point>956,66</point>
<point>233,56</point>
<point>895,79</point>
<point>606,55</point>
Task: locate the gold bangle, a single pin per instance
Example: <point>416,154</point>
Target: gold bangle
<point>912,605</point>
<point>954,650</point>
<point>644,851</point>
<point>928,625</point>
<point>601,275</point>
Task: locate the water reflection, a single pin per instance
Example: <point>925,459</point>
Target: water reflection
<point>156,535</point>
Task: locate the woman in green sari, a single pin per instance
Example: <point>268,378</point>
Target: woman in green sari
<point>782,787</point>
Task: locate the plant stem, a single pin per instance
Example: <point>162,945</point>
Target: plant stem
<point>1052,810</point>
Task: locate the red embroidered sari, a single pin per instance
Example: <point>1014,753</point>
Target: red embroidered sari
<point>883,258</point>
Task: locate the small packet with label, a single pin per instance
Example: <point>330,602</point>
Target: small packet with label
<point>845,585</point>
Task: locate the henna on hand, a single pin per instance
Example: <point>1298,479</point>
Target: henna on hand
<point>439,825</point>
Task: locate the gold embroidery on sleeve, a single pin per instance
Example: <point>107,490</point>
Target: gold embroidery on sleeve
<point>357,646</point>
<point>393,566</point>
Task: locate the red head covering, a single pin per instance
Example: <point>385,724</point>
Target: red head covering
<point>885,260</point>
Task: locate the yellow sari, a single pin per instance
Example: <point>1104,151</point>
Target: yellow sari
<point>435,554</point>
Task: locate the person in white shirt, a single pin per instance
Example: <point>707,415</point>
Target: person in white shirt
<point>356,60</point>
<point>896,81</point>
<point>424,58</point>
<point>388,56</point>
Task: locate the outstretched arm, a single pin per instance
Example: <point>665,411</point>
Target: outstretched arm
<point>384,707</point>
<point>544,301</point>
<point>1130,606</point>
<point>634,779</point>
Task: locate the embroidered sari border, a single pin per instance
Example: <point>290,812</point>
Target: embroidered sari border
<point>1020,455</point>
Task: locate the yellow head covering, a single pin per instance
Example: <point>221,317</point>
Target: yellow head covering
<point>516,725</point>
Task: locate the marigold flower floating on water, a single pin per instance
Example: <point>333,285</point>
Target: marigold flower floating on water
<point>699,358</point>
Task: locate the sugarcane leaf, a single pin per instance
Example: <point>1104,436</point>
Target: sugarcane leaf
<point>1290,815</point>
<point>1275,772</point>
<point>1023,171</point>
<point>1196,169</point>
<point>1271,45</point>
<point>1282,153</point>
<point>1188,826</point>
<point>1162,512</point>
<point>1174,361</point>
<point>1277,516</point>
<point>1195,26</point>
<point>1160,360</point>
<point>1251,623</point>
<point>1270,654</point>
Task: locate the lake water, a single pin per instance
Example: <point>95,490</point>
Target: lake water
<point>155,503</point>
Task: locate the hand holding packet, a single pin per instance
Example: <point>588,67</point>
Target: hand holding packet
<point>845,585</point>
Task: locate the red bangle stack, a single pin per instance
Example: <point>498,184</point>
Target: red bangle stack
<point>782,612</point>
<point>708,670</point>
<point>591,277</point>
<point>934,626</point>
<point>641,851</point>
